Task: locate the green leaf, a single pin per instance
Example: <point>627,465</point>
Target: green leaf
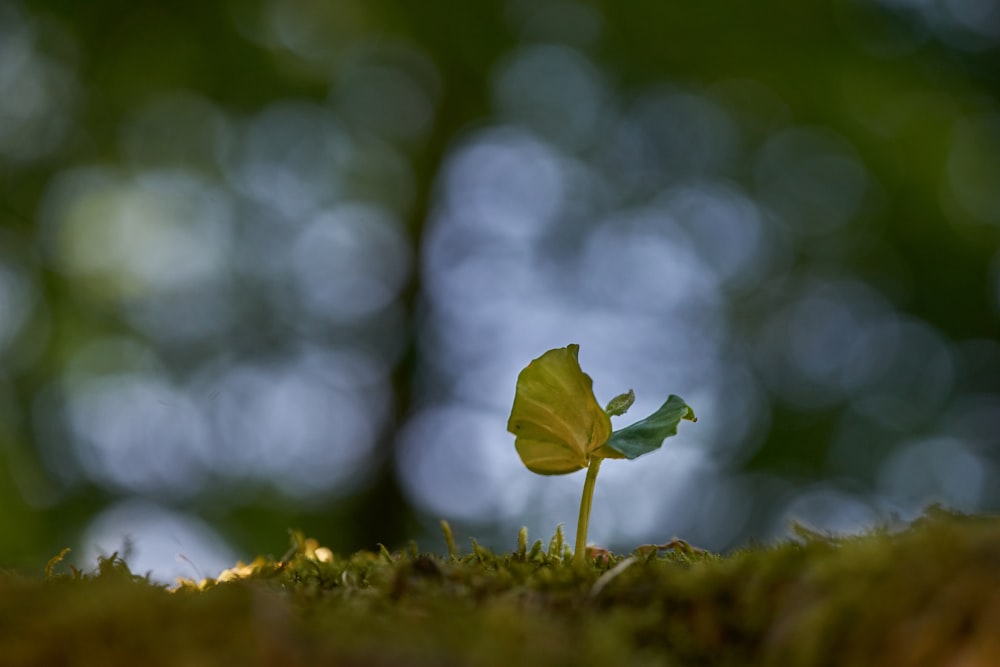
<point>620,404</point>
<point>644,436</point>
<point>556,421</point>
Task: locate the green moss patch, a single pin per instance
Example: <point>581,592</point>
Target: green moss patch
<point>927,595</point>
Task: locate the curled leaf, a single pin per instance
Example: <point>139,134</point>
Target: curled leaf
<point>556,421</point>
<point>620,404</point>
<point>644,436</point>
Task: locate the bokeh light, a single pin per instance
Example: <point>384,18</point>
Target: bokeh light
<point>18,301</point>
<point>154,540</point>
<point>37,89</point>
<point>289,274</point>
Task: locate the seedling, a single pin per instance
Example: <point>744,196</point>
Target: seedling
<point>560,428</point>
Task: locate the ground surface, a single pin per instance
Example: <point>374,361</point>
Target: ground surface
<point>926,595</point>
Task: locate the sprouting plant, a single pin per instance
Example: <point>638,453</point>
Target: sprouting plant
<point>560,428</point>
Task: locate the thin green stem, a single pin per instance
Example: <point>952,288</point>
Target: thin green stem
<point>580,554</point>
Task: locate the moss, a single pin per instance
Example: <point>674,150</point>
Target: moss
<point>926,595</point>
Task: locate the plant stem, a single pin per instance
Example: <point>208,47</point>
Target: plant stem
<point>580,554</point>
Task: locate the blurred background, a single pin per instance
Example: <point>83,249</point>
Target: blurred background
<point>272,264</point>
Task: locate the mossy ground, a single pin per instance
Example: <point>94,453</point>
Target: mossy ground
<point>926,595</point>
